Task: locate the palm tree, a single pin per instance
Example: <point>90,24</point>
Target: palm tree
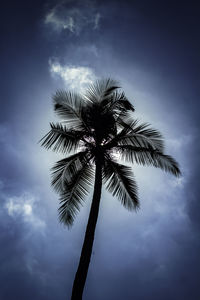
<point>94,128</point>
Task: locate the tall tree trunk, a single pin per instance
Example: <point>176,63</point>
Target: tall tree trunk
<point>81,274</point>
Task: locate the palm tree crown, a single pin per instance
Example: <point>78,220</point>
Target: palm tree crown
<point>94,127</point>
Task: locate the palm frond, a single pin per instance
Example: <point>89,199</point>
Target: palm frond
<point>73,197</point>
<point>138,135</point>
<point>146,135</point>
<point>64,169</point>
<point>101,90</point>
<point>120,182</point>
<point>69,107</point>
<point>149,156</point>
<point>59,138</point>
<point>166,163</point>
<point>118,104</point>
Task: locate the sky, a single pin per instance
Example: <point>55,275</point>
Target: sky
<point>152,48</point>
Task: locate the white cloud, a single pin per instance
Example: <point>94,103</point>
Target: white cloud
<point>74,19</point>
<point>15,207</point>
<point>24,207</point>
<point>75,77</point>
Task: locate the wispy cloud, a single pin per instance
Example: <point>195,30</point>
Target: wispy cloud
<point>180,142</point>
<point>75,77</point>
<point>97,20</point>
<point>73,17</point>
<point>178,182</point>
<point>58,22</point>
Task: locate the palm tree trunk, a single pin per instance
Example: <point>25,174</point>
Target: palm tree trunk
<point>81,274</point>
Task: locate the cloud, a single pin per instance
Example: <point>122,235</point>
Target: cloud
<point>75,77</point>
<point>15,208</point>
<point>23,207</point>
<point>74,18</point>
<point>59,23</point>
<point>96,20</point>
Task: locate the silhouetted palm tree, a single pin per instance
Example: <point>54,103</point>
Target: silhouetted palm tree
<point>95,127</point>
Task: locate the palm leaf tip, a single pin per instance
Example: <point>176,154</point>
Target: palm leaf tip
<point>110,90</point>
<point>121,183</point>
<point>66,217</point>
<point>167,163</point>
<point>101,89</point>
<point>149,157</point>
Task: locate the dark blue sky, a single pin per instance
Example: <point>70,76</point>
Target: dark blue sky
<point>152,48</point>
